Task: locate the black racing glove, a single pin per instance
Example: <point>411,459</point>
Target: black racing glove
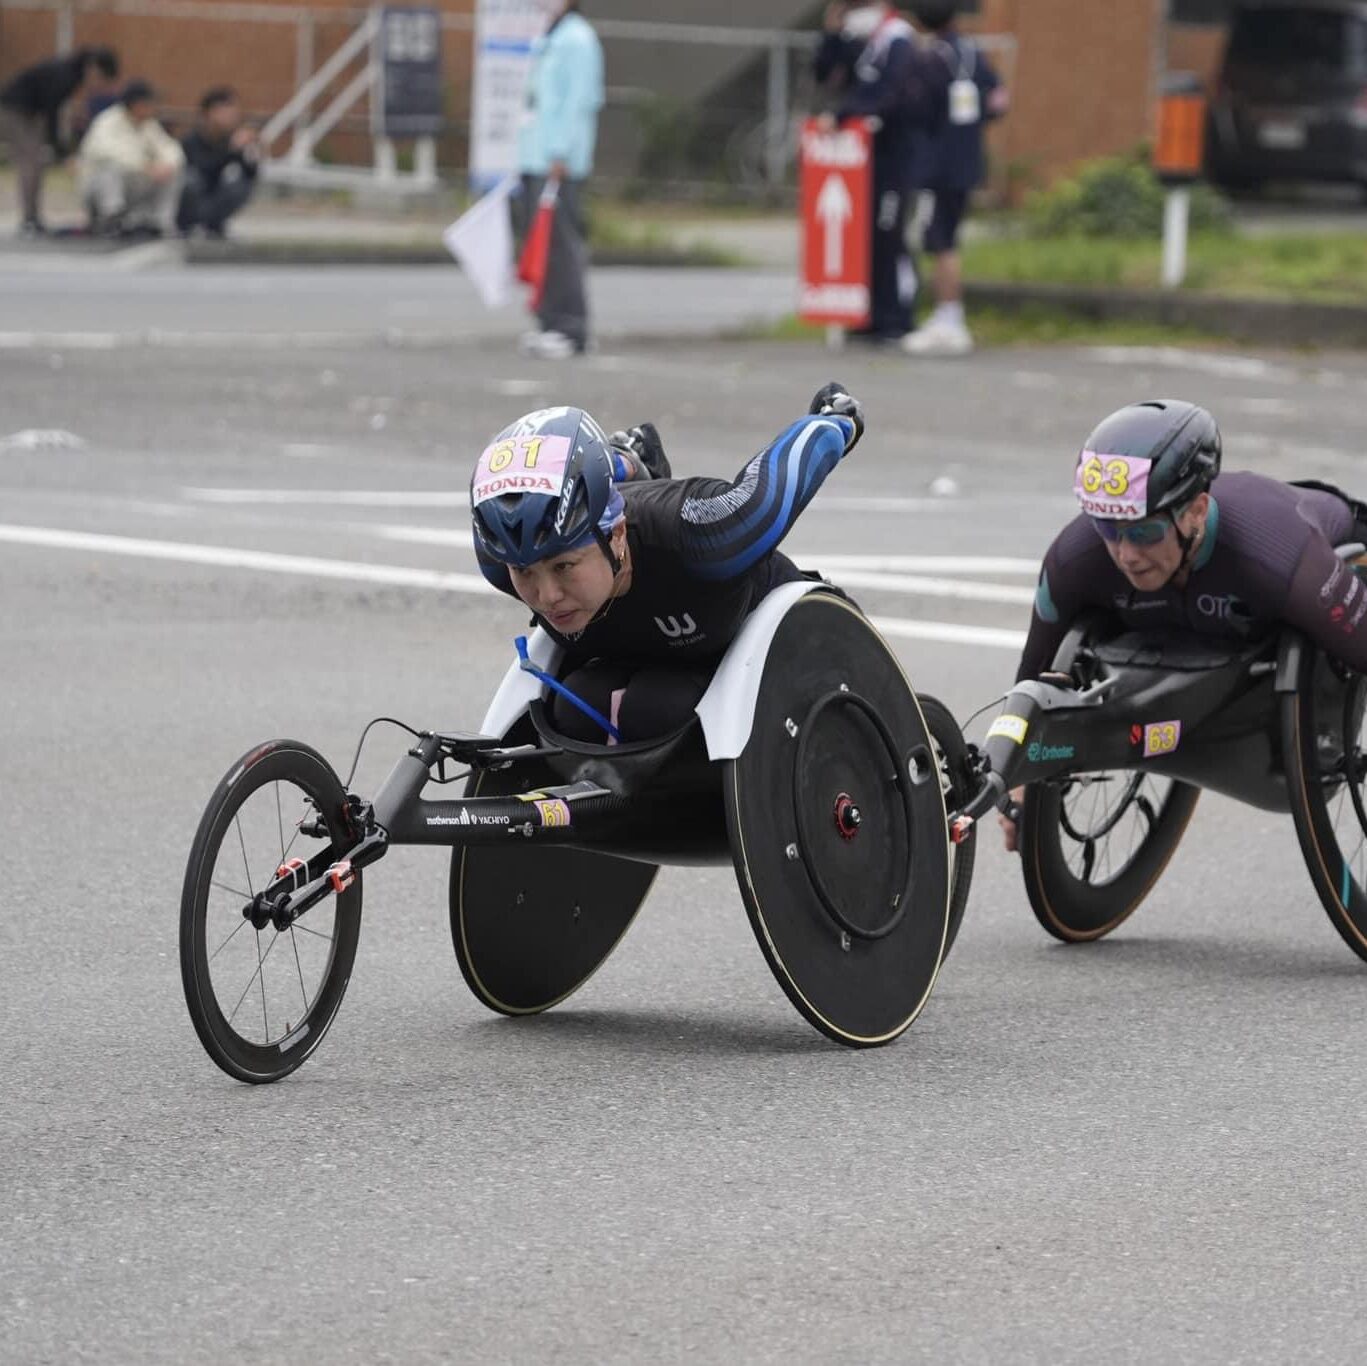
<point>644,443</point>
<point>834,399</point>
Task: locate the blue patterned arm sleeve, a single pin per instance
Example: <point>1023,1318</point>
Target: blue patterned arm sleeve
<point>732,527</point>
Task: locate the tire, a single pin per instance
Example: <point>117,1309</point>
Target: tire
<point>956,778</point>
<point>1076,908</point>
<point>1322,743</point>
<point>235,843</point>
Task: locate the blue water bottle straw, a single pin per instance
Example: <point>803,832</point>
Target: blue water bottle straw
<point>555,685</point>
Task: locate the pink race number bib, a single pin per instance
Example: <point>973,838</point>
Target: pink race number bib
<point>522,464</point>
<point>1113,486</point>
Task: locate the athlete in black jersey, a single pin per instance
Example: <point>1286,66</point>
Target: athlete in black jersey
<point>643,581</point>
<point>1166,541</point>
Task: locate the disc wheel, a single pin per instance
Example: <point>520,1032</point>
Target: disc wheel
<point>531,926</point>
<point>1094,844</point>
<point>1326,766</point>
<point>261,997</point>
<point>957,782</point>
<point>837,827</point>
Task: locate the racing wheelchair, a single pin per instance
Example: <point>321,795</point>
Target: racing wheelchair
<point>809,765</point>
<point>1117,741</point>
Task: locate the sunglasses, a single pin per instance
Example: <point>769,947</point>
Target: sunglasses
<point>1146,533</point>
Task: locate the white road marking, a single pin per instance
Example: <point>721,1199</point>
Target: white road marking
<point>229,557</point>
<point>1203,362</point>
<point>459,539</point>
<point>930,564</point>
<point>950,633</point>
<point>42,439</point>
<point>322,497</point>
<point>850,571</point>
<point>393,498</point>
<point>401,576</point>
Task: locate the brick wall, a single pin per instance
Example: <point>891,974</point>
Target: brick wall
<point>183,57</point>
<point>1083,78</point>
<point>1084,82</point>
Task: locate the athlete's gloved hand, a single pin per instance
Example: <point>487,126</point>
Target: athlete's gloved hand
<point>644,443</point>
<point>834,399</point>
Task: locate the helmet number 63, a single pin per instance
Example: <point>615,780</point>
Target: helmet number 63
<point>501,455</point>
<point>1112,477</point>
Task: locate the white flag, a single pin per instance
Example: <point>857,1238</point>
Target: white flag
<point>481,239</point>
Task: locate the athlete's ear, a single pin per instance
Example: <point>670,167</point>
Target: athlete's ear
<point>1197,511</point>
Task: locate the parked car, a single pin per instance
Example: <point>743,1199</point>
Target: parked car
<point>1291,99</point>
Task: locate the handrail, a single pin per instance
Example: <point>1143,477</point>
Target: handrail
<point>314,86</point>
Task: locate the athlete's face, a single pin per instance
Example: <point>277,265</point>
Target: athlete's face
<point>569,590</point>
<point>1148,564</point>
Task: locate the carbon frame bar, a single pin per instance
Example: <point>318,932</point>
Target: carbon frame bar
<point>555,814</point>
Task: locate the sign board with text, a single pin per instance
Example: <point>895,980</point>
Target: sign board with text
<point>410,44</point>
<point>837,230</point>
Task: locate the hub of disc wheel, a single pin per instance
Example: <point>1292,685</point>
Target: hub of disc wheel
<point>847,816</point>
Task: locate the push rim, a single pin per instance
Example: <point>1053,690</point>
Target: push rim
<point>831,820</point>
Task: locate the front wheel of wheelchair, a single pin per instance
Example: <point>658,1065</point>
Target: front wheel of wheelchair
<point>1093,845</point>
<point>1325,752</point>
<point>261,997</point>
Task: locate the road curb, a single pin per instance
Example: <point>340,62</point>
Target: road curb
<point>304,253</point>
<point>1270,322</point>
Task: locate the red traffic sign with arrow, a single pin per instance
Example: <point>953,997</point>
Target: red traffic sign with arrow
<point>837,231</point>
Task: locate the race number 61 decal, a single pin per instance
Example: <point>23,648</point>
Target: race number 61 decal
<point>501,455</point>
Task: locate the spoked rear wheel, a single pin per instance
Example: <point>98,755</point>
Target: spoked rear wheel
<point>261,996</point>
<point>1325,745</point>
<point>1093,845</point>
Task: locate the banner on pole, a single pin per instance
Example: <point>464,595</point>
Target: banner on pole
<point>837,227</point>
<point>505,32</point>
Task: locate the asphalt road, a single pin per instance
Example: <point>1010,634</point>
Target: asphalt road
<point>1139,1150</point>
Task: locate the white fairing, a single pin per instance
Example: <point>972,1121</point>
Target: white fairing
<point>520,689</point>
<point>727,709</point>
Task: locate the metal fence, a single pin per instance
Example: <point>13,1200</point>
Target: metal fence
<point>734,135</point>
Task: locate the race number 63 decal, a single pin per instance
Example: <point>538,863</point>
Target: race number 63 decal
<point>1161,737</point>
<point>1112,477</point>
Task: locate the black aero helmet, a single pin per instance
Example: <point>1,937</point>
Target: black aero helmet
<point>1146,458</point>
<point>544,486</point>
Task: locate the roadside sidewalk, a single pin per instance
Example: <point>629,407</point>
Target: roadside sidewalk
<point>328,229</point>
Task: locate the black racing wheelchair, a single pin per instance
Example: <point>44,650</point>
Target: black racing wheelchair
<point>810,766</point>
<point>1116,743</point>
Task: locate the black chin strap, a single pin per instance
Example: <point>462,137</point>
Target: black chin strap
<point>1188,544</point>
<point>605,545</point>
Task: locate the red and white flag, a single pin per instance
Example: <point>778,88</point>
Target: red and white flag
<point>536,250</point>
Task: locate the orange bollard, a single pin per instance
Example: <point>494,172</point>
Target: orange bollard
<point>1179,149</point>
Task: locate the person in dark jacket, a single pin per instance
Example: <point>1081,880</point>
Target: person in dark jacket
<point>868,57</point>
<point>30,118</point>
<point>220,165</point>
<point>949,165</point>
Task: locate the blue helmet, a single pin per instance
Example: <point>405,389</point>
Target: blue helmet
<point>544,486</point>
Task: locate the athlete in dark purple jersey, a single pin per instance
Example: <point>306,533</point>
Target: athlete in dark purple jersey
<point>1164,541</point>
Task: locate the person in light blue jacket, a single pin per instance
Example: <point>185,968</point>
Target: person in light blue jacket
<point>555,147</point>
